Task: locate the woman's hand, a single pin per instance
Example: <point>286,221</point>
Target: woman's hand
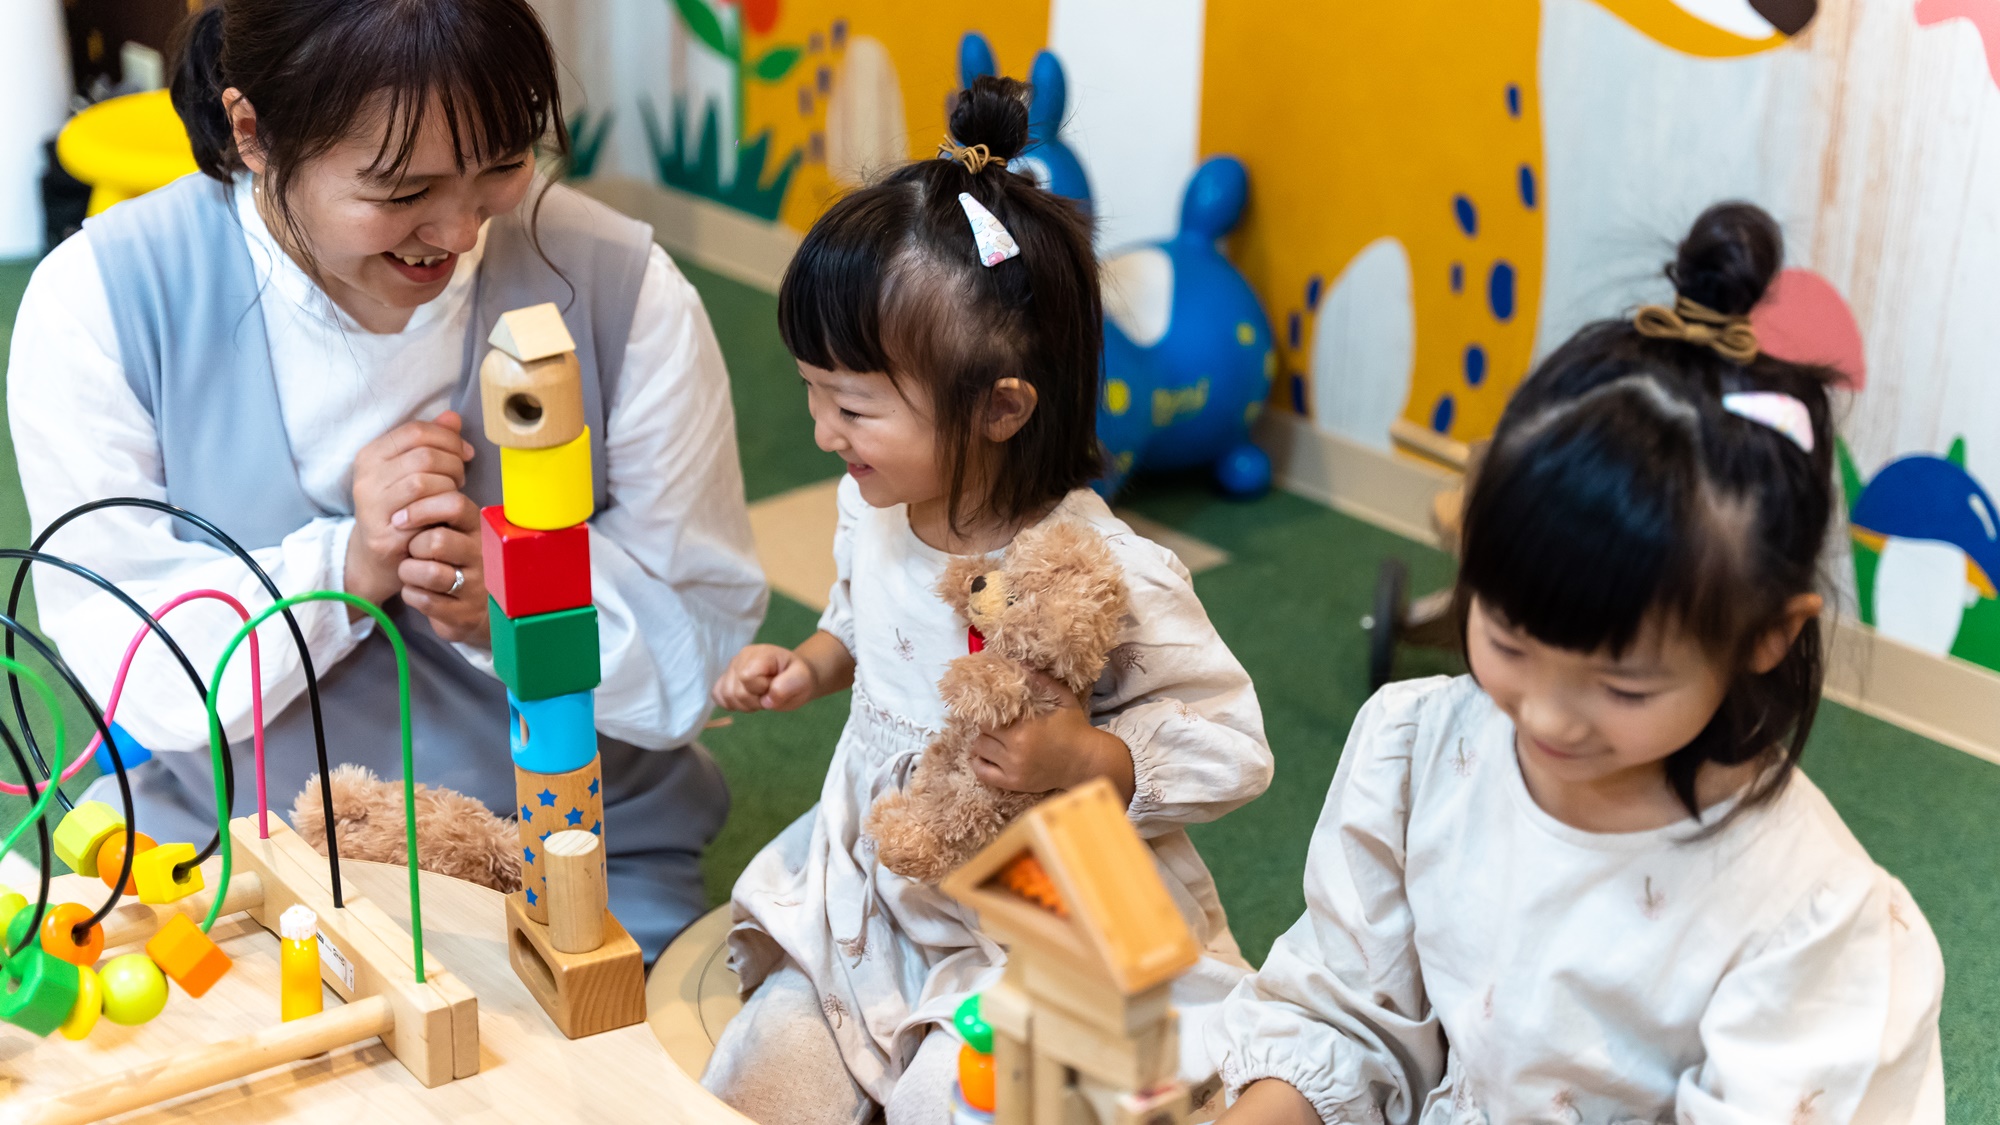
<point>444,555</point>
<point>393,476</point>
<point>775,678</point>
<point>1060,750</point>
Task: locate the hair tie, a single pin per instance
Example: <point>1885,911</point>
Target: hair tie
<point>974,157</point>
<point>1731,337</point>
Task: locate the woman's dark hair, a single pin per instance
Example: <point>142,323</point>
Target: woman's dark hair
<point>1618,491</point>
<point>889,280</point>
<point>316,69</point>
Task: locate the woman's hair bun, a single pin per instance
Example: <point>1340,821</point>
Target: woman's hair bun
<point>992,112</point>
<point>1728,258</point>
<point>196,90</point>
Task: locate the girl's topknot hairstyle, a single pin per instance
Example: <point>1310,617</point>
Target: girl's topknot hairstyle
<point>890,280</point>
<point>1618,490</point>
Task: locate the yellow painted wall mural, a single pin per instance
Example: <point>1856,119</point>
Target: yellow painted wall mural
<point>1394,226</point>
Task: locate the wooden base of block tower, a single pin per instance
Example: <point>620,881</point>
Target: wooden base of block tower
<point>584,993</point>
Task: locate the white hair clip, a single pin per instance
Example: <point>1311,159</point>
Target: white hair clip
<point>995,244</point>
<point>1781,412</point>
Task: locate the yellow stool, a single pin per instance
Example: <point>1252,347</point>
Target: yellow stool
<point>124,147</point>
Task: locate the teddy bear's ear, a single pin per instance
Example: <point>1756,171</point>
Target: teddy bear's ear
<point>955,585</point>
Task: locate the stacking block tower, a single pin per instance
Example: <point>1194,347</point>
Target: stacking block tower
<point>536,548</point>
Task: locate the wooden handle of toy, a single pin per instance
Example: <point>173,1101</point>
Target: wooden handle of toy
<point>136,921</point>
<point>577,892</point>
<point>220,1062</point>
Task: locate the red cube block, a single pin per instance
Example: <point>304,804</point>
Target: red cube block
<point>532,572</point>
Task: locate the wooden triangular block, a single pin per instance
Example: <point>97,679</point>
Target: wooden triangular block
<point>533,333</point>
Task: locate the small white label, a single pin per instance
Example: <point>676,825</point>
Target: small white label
<point>331,957</point>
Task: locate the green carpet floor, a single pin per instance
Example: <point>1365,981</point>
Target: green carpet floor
<point>1299,579</point>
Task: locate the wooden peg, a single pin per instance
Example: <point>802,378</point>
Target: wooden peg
<point>578,897</point>
<point>552,803</point>
<point>535,404</point>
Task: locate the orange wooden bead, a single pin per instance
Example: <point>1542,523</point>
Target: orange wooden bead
<point>59,936</point>
<point>976,1079</point>
<point>111,857</point>
<point>189,956</point>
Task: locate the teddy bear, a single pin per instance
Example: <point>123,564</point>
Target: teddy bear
<point>456,835</point>
<point>1055,604</point>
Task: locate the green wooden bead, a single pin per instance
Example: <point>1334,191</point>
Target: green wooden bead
<point>83,829</point>
<point>37,991</point>
<point>972,1027</point>
<point>546,655</point>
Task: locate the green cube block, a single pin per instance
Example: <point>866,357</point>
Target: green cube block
<point>37,990</point>
<point>547,654</point>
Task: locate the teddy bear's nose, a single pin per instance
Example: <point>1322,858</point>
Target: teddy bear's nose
<point>979,583</point>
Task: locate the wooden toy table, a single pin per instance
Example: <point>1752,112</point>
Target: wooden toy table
<point>528,1070</point>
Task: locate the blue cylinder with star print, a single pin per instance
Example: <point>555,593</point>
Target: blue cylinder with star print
<point>552,803</point>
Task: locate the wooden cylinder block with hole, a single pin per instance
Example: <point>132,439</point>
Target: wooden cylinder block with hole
<point>537,404</point>
<point>553,803</point>
<point>574,863</point>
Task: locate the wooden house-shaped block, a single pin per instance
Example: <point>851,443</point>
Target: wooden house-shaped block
<point>1084,1033</point>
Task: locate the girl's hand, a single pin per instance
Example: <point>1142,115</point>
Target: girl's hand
<point>439,554</point>
<point>393,475</point>
<point>765,678</point>
<point>775,678</point>
<point>1060,750</point>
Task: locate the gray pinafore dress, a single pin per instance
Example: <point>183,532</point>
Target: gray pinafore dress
<point>184,300</point>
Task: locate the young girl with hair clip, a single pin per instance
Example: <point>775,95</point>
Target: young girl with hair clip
<point>288,343</point>
<point>947,326</point>
<point>1586,883</point>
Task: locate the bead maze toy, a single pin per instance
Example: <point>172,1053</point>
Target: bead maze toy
<point>1080,1030</point>
<point>49,978</point>
<point>564,943</point>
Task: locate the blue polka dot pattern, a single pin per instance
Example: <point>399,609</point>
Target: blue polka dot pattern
<point>1475,365</point>
<point>1313,287</point>
<point>1513,100</point>
<point>1293,329</point>
<point>1527,187</point>
<point>1298,393</point>
<point>1457,278</point>
<point>1500,291</point>
<point>1468,215</point>
<point>1442,413</point>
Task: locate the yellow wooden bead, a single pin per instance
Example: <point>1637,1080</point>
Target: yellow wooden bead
<point>89,1004</point>
<point>83,829</point>
<point>153,870</point>
<point>544,489</point>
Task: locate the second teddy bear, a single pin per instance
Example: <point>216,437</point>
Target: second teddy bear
<point>1055,604</point>
<point>456,835</point>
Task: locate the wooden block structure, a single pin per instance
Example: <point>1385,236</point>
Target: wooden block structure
<point>1084,1032</point>
<point>431,1027</point>
<point>577,961</point>
<point>530,387</point>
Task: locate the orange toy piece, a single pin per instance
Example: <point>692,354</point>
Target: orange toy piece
<point>58,934</point>
<point>1026,877</point>
<point>111,858</point>
<point>975,1078</point>
<point>159,881</point>
<point>187,955</point>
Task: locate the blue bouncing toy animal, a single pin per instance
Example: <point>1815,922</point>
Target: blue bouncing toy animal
<point>1046,158</point>
<point>1187,349</point>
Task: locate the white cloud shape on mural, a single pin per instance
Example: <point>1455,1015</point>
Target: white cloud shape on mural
<point>1138,287</point>
<point>1734,16</point>
<point>1364,345</point>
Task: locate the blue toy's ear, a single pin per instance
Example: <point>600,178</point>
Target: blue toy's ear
<point>1051,94</point>
<point>975,59</point>
<point>1215,197</point>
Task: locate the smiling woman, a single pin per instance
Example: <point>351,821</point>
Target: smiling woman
<point>287,344</point>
